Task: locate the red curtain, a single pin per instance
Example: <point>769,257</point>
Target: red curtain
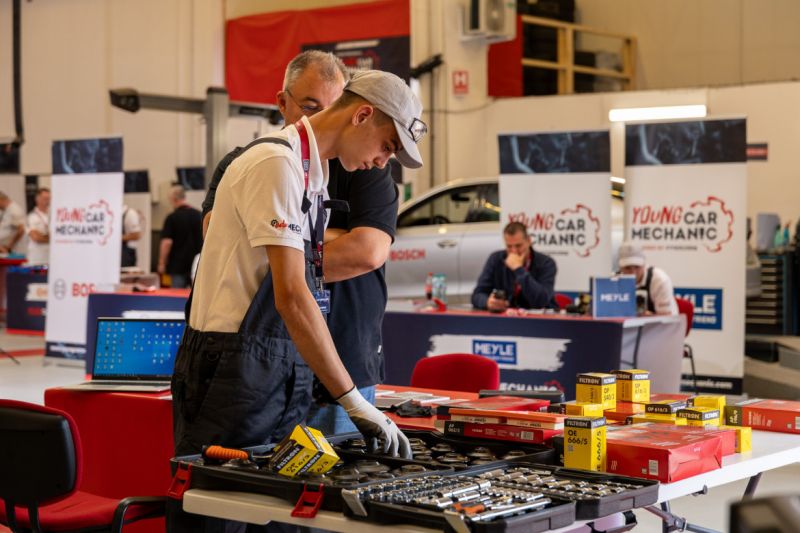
<point>258,47</point>
<point>505,67</point>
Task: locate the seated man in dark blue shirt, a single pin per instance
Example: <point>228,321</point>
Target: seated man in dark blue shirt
<point>526,278</point>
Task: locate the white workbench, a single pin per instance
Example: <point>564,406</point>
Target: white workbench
<point>770,450</point>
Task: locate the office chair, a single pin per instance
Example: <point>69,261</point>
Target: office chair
<point>464,372</point>
<point>686,308</point>
<point>41,466</point>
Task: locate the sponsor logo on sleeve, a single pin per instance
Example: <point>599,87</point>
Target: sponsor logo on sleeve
<point>280,224</point>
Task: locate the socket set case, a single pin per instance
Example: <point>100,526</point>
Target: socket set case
<point>595,495</point>
<point>451,502</point>
<point>460,452</point>
<point>242,477</point>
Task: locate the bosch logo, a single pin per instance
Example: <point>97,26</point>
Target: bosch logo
<point>60,289</point>
<point>414,254</point>
<point>278,224</point>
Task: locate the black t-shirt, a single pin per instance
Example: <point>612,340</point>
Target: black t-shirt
<point>185,227</point>
<point>358,304</point>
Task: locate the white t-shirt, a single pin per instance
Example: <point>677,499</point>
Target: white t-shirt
<point>258,203</point>
<point>131,223</point>
<point>661,292</point>
<point>38,253</point>
<point>12,217</point>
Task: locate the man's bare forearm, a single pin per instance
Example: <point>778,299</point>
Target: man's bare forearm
<point>356,252</point>
<point>303,319</point>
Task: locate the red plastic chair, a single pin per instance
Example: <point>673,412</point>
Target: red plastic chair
<point>563,300</point>
<point>41,465</point>
<point>686,308</point>
<point>464,372</point>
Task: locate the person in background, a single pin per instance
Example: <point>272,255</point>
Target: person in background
<point>516,276</point>
<point>39,229</point>
<point>181,239</point>
<point>357,243</point>
<point>131,232</point>
<point>12,226</point>
<point>652,284</point>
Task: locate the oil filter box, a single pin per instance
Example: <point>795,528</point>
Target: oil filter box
<point>664,407</point>
<point>716,401</point>
<point>633,385</point>
<point>585,443</point>
<point>583,409</point>
<point>663,452</point>
<point>597,387</point>
<point>768,415</point>
<point>699,416</point>
<point>305,450</point>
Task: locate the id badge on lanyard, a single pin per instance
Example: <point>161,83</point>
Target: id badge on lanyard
<point>316,227</point>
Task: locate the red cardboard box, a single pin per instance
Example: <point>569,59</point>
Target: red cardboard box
<point>665,453</point>
<point>769,415</point>
<point>500,432</point>
<point>503,403</point>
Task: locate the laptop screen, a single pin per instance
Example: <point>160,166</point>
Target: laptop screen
<point>136,348</point>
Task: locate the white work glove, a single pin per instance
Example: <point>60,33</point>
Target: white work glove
<point>374,424</point>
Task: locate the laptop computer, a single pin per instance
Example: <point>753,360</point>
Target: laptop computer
<point>134,355</point>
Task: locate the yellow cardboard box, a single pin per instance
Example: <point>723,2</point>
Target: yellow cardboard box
<point>699,416</point>
<point>633,385</point>
<point>664,407</point>
<point>597,387</point>
<point>711,400</point>
<point>585,443</point>
<point>744,438</point>
<point>583,409</point>
<point>305,450</point>
<point>658,419</point>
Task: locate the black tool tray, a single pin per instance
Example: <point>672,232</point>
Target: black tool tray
<point>534,453</point>
<point>559,513</point>
<point>214,476</point>
<point>590,507</point>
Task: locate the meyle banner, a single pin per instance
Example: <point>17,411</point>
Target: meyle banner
<point>85,222</point>
<point>685,204</point>
<point>557,184</point>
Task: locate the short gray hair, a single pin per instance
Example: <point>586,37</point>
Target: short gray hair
<point>327,62</point>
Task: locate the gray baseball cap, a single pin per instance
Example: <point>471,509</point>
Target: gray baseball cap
<point>391,95</point>
<point>631,254</point>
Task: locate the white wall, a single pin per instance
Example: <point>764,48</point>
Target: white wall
<point>772,111</point>
<point>691,43</point>
<point>73,52</point>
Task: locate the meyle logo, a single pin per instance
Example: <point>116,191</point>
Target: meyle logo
<point>500,351</point>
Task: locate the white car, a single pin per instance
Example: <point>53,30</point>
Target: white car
<point>452,229</point>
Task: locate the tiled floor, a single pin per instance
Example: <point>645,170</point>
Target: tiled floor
<point>28,380</point>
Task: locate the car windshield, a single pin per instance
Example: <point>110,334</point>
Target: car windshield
<point>471,203</point>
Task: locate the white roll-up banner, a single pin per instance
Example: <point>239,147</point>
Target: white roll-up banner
<point>557,184</point>
<point>85,237</point>
<point>685,204</point>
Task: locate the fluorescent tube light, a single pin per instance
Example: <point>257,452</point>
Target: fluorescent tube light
<point>632,114</point>
<point>618,180</point>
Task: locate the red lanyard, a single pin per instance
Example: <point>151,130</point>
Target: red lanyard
<point>316,228</point>
<point>305,152</point>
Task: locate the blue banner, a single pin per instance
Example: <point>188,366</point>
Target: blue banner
<point>707,306</point>
<point>614,297</point>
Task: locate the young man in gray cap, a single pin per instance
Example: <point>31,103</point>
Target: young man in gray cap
<point>652,284</point>
<point>256,330</point>
<point>242,374</point>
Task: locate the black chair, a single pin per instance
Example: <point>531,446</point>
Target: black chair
<point>41,465</point>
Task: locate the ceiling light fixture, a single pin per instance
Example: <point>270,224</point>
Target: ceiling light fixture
<point>633,114</point>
